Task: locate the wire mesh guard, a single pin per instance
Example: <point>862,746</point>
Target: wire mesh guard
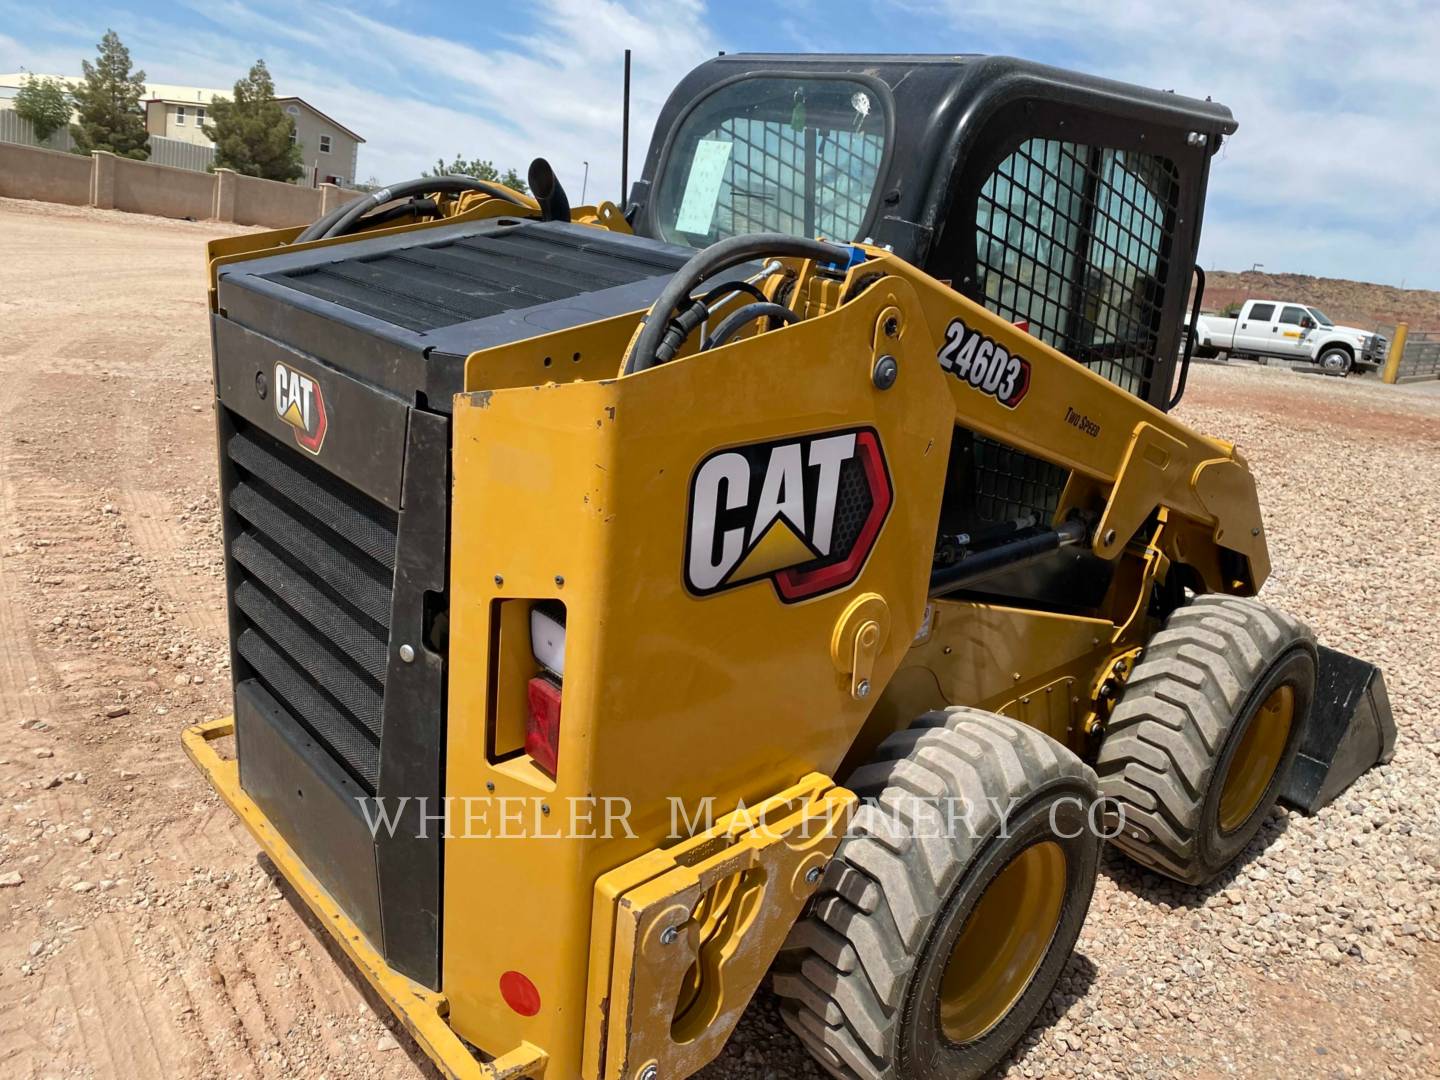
<point>805,182</point>
<point>1075,240</point>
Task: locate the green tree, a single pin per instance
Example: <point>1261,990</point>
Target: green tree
<point>45,104</point>
<point>481,170</point>
<point>107,104</point>
<point>252,134</point>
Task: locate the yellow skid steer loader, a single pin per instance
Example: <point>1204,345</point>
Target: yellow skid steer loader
<point>794,570</point>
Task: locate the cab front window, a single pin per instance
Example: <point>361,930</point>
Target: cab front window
<point>798,156</point>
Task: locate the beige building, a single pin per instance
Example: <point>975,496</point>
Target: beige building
<point>328,149</point>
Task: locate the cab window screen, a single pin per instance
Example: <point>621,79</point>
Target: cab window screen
<point>798,156</point>
<point>1074,241</point>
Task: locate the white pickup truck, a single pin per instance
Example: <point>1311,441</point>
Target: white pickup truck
<point>1289,331</point>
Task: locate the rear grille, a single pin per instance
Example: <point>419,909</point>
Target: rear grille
<point>312,569</point>
<point>427,286</point>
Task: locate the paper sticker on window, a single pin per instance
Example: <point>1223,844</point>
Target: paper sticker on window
<point>702,190</point>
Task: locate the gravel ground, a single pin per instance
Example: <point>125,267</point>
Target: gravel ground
<point>140,937</point>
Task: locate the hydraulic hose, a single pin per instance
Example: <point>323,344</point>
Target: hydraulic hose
<point>316,228</point>
<point>415,207</point>
<point>706,264</point>
<point>343,218</point>
<point>725,288</point>
<point>735,320</point>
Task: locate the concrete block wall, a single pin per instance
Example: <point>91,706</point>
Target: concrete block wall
<point>111,183</point>
<point>30,172</point>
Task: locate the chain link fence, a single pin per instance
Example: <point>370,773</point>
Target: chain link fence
<point>1420,358</point>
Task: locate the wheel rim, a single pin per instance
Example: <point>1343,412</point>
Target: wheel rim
<point>1003,942</point>
<point>1256,758</point>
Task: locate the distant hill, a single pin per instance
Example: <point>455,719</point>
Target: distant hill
<point>1350,303</point>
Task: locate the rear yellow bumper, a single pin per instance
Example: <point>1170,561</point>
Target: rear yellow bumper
<point>422,1011</point>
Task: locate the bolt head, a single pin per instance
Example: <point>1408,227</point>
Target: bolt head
<point>1109,537</point>
<point>814,874</point>
<point>887,370</point>
<point>669,935</point>
<point>499,581</point>
<point>863,690</point>
<point>262,385</point>
<point>650,1072</point>
<point>559,581</point>
<point>407,653</point>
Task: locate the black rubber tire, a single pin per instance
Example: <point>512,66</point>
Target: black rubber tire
<point>1341,366</point>
<point>860,973</point>
<point>1180,720</point>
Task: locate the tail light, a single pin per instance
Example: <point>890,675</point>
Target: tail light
<point>542,721</point>
<point>542,724</point>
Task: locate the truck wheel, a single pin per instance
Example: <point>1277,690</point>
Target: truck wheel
<point>1335,361</point>
<point>1205,732</point>
<point>930,949</point>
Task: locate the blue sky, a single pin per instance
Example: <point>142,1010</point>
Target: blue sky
<point>1335,169</point>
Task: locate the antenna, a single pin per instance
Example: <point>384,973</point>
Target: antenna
<point>625,137</point>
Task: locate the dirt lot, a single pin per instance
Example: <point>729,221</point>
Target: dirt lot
<point>145,939</point>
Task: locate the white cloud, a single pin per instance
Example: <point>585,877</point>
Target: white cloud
<point>552,91</point>
<point>1336,167</point>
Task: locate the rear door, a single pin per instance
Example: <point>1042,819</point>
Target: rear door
<point>1256,329</point>
<point>1291,331</point>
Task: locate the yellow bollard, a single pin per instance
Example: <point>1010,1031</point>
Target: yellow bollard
<point>1397,350</point>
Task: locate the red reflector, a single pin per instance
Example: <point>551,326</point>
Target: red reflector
<point>542,726</point>
<point>1023,324</point>
<point>519,993</point>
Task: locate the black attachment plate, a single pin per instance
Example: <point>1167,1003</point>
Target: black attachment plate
<point>1351,728</point>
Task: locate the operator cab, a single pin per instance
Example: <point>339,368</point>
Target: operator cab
<point>1068,204</point>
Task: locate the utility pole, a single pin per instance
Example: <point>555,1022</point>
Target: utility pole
<point>585,184</point>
